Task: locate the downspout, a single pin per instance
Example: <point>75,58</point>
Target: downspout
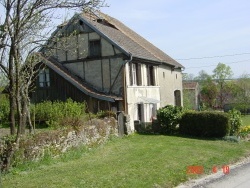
<point>125,84</point>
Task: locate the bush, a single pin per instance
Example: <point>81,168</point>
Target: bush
<point>4,109</point>
<point>168,118</point>
<point>243,108</point>
<point>54,113</point>
<point>205,124</point>
<point>103,114</point>
<point>235,121</point>
<point>244,131</point>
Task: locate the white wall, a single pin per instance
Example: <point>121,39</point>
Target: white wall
<point>133,98</point>
<point>169,81</point>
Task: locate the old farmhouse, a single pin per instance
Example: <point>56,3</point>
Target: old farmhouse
<point>96,58</point>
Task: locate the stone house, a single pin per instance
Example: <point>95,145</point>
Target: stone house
<point>97,59</point>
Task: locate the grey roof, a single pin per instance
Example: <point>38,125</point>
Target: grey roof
<point>127,39</point>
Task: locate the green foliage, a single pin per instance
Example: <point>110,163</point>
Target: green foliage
<point>103,114</point>
<point>56,113</point>
<point>168,118</point>
<point>4,108</point>
<point>242,96</point>
<point>244,108</point>
<point>245,120</point>
<point>7,146</point>
<point>244,131</point>
<point>235,121</point>
<point>208,92</point>
<point>102,166</point>
<point>188,99</point>
<point>222,72</point>
<point>204,124</point>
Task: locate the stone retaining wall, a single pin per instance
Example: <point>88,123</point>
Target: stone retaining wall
<point>55,142</point>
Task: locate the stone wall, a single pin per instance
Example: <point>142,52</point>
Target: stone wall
<point>55,142</point>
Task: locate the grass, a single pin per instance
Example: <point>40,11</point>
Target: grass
<point>246,120</point>
<point>132,161</point>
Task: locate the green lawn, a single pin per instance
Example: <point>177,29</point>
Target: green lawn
<point>246,120</point>
<point>133,161</point>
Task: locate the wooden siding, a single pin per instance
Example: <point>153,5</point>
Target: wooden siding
<point>60,89</point>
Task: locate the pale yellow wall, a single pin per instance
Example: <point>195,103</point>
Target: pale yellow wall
<point>106,75</point>
<point>72,47</point>
<point>93,73</point>
<point>94,36</point>
<point>107,49</point>
<point>116,65</point>
<point>76,67</point>
<point>171,82</point>
<point>83,45</point>
<point>80,41</point>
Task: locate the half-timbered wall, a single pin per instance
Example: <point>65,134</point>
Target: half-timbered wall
<point>104,73</point>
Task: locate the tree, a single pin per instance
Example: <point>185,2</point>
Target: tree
<point>221,73</point>
<point>243,95</point>
<point>203,76</point>
<point>22,31</point>
<point>209,92</point>
<point>3,80</point>
<point>187,77</point>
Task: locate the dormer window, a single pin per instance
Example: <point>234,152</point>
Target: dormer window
<point>95,48</point>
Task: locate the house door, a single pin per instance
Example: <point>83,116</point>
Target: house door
<point>177,97</point>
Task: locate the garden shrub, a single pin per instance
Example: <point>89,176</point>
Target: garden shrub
<point>54,113</point>
<point>244,108</point>
<point>4,108</point>
<point>168,118</point>
<point>244,131</point>
<point>103,114</point>
<point>235,121</point>
<point>205,124</point>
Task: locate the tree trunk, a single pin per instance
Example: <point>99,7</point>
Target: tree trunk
<point>12,94</point>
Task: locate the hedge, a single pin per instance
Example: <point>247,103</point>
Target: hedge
<point>205,124</point>
<point>243,108</point>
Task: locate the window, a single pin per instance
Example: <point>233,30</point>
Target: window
<point>177,97</point>
<point>95,48</point>
<point>138,74</point>
<point>150,75</point>
<point>140,111</point>
<point>153,111</point>
<point>44,80</point>
<point>135,74</point>
<point>134,81</point>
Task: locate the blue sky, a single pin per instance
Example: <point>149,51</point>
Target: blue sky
<point>187,29</point>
